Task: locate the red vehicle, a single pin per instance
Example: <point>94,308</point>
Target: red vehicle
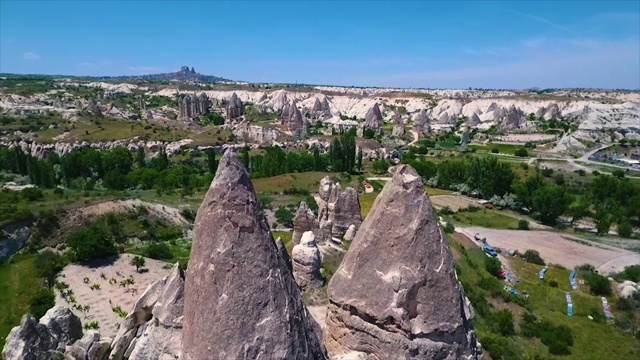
<point>502,273</point>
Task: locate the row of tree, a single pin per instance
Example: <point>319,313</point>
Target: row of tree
<point>607,200</point>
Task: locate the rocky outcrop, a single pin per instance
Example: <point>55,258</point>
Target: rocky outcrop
<point>511,119</point>
<point>293,120</point>
<point>373,119</point>
<point>474,120</point>
<point>33,340</point>
<point>153,328</point>
<point>305,258</point>
<point>422,124</point>
<point>258,134</point>
<point>241,300</point>
<point>304,220</point>
<point>398,125</point>
<point>93,107</point>
<point>321,109</point>
<point>406,304</point>
<point>337,209</point>
<point>235,108</point>
<point>90,347</point>
<point>350,234</point>
<point>13,237</point>
<point>192,106</point>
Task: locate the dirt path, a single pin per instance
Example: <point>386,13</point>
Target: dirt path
<point>557,248</point>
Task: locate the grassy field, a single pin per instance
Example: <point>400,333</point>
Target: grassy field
<point>494,219</point>
<point>502,148</point>
<point>276,184</point>
<point>366,201</point>
<point>593,339</point>
<point>18,284</point>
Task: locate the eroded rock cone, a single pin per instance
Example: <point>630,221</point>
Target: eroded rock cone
<point>306,262</point>
<point>304,220</point>
<point>241,301</point>
<point>396,295</point>
<point>373,118</point>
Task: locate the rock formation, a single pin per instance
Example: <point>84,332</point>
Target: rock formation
<point>304,220</point>
<point>293,120</point>
<point>398,125</point>
<point>90,347</point>
<point>241,300</point>
<point>33,340</point>
<point>192,106</point>
<point>421,123</point>
<point>235,108</point>
<point>337,209</point>
<point>373,119</point>
<point>474,120</point>
<point>406,304</point>
<point>153,328</point>
<point>321,109</point>
<point>350,234</point>
<point>305,258</point>
<point>511,118</point>
<point>93,107</point>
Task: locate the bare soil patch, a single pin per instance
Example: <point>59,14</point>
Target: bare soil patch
<point>101,301</point>
<point>557,248</point>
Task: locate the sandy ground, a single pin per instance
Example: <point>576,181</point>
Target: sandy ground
<point>455,202</point>
<point>556,248</point>
<point>98,300</point>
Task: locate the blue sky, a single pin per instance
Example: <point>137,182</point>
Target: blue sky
<point>455,44</point>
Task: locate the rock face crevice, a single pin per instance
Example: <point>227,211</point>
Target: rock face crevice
<point>406,304</point>
<point>241,300</point>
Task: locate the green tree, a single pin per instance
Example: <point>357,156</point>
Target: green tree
<point>525,190</point>
<point>625,229</point>
<point>92,242</point>
<point>212,163</point>
<point>618,173</point>
<point>550,202</point>
<point>140,157</point>
<point>359,162</point>
<point>380,166</point>
<point>115,180</point>
<point>492,265</point>
<point>502,323</point>
<point>284,216</point>
<point>244,157</point>
<point>521,152</point>
<point>119,158</point>
<point>138,262</point>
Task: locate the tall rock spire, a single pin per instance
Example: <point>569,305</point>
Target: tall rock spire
<point>241,300</point>
<point>396,295</point>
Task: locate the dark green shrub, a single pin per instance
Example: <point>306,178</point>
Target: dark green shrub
<point>502,323</point>
<point>32,194</point>
<point>625,229</point>
<point>533,257</point>
<point>48,265</point>
<point>553,284</point>
<point>158,251</point>
<point>492,265</point>
<point>41,302</point>
<point>598,284</point>
<point>523,224</point>
<point>449,228</point>
<point>522,152</point>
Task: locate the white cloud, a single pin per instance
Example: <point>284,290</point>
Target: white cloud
<point>30,56</point>
<point>86,63</point>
